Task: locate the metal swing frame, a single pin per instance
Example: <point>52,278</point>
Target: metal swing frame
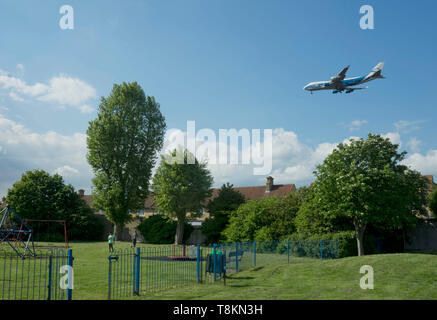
<point>63,223</point>
<point>14,236</point>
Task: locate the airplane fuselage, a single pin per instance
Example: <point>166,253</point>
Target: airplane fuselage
<point>327,85</point>
<point>339,83</point>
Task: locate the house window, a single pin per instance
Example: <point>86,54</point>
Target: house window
<point>141,213</point>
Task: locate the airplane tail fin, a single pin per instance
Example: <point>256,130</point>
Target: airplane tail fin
<point>377,72</point>
<point>378,67</point>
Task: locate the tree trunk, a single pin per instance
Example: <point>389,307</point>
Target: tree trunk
<point>179,232</point>
<point>118,230</point>
<point>359,231</point>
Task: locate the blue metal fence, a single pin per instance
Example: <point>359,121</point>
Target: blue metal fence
<point>133,271</point>
<point>36,277</point>
<point>137,271</point>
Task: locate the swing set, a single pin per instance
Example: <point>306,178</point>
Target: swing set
<point>48,233</point>
<point>22,239</point>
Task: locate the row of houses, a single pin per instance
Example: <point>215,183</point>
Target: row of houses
<point>250,193</point>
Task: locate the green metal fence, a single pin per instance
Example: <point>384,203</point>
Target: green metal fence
<point>36,277</point>
<point>141,270</point>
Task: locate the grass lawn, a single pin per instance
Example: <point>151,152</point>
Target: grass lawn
<point>396,276</point>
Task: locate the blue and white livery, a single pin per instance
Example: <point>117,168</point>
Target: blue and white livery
<point>340,84</point>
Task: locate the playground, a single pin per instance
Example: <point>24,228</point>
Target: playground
<point>282,269</point>
<point>397,276</point>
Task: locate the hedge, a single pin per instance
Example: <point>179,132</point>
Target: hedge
<point>158,229</point>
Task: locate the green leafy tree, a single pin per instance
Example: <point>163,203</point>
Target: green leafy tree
<point>180,186</point>
<point>228,199</point>
<point>123,143</point>
<point>364,181</point>
<point>432,201</point>
<point>39,195</point>
<point>309,221</point>
<point>264,219</point>
<point>219,208</point>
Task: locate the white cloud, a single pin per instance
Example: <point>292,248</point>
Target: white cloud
<point>293,160</point>
<point>49,151</point>
<point>15,97</point>
<point>356,125</point>
<point>9,82</point>
<point>69,91</point>
<point>414,145</point>
<point>20,68</point>
<point>426,164</point>
<point>62,90</point>
<point>394,137</point>
<point>86,109</point>
<point>66,171</point>
<point>406,126</point>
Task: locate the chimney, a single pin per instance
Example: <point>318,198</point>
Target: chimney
<point>81,192</point>
<point>269,184</point>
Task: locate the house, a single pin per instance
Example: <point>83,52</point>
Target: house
<point>250,193</point>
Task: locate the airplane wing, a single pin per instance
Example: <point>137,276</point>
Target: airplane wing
<point>342,73</point>
<point>337,80</point>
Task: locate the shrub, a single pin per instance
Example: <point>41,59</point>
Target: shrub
<point>309,245</point>
<point>213,227</point>
<point>219,208</point>
<point>158,229</point>
<point>262,219</point>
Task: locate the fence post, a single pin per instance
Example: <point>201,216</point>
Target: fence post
<point>214,260</point>
<point>109,278</point>
<point>321,249</point>
<point>201,265</point>
<point>49,295</point>
<point>198,263</point>
<point>70,274</point>
<point>254,253</point>
<point>236,256</point>
<point>137,272</point>
<point>288,251</point>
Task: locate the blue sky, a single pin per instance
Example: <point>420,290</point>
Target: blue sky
<point>225,64</point>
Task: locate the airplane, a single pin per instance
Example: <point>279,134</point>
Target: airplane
<point>340,84</point>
